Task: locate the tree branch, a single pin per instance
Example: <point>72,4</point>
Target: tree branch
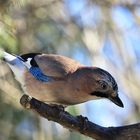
<point>79,123</point>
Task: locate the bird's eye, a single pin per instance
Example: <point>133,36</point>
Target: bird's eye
<point>103,85</point>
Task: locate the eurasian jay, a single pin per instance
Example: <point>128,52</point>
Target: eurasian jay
<point>57,79</point>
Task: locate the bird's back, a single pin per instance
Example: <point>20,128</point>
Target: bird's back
<point>56,65</point>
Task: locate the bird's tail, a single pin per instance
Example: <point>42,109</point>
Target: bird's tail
<point>15,92</point>
<point>15,63</point>
<point>6,56</point>
<point>11,59</point>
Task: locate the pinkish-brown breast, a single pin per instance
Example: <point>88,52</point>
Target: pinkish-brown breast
<point>62,91</point>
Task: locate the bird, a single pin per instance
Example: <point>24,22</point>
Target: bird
<point>58,79</point>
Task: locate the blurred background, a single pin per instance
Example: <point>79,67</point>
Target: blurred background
<point>104,33</point>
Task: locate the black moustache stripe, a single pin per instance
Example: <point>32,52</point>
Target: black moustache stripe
<point>99,94</point>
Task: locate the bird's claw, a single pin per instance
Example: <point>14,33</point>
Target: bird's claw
<point>83,123</point>
<point>59,107</point>
<point>25,101</point>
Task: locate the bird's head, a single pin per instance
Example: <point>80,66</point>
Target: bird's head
<point>101,84</point>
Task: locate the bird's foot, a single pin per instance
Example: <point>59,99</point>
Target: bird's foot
<point>83,123</point>
<point>25,101</point>
<point>59,107</point>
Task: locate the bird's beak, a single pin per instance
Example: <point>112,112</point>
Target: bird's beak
<point>116,100</point>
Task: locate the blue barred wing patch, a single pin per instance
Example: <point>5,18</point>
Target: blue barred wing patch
<point>37,73</point>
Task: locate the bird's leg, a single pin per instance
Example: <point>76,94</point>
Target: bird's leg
<point>59,107</point>
<point>25,101</point>
<point>83,123</point>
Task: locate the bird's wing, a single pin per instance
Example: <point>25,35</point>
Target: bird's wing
<point>56,65</point>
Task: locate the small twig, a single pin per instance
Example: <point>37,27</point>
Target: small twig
<point>79,123</point>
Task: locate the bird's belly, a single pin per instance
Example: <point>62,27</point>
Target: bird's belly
<point>47,93</point>
<point>35,88</point>
<point>52,92</point>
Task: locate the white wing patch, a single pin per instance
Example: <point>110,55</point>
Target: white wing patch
<point>27,63</point>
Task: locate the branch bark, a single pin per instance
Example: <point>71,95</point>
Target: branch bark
<point>79,123</point>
